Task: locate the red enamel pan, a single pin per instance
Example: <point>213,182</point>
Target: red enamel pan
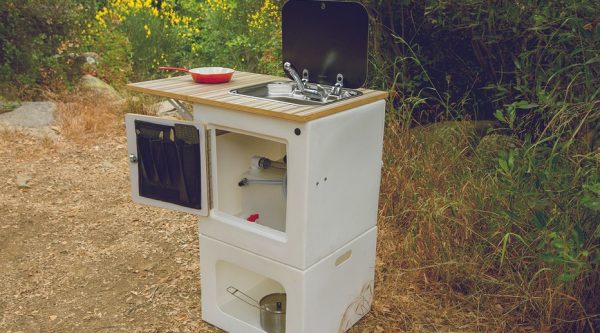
<point>205,74</point>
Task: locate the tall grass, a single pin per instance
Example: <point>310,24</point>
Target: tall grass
<point>505,225</point>
<point>460,231</point>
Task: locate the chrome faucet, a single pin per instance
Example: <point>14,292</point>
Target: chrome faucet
<point>304,90</point>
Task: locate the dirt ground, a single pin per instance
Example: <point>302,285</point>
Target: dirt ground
<point>76,255</point>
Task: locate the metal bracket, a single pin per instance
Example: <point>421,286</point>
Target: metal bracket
<point>180,109</point>
<point>337,88</point>
<point>305,78</point>
<point>340,80</point>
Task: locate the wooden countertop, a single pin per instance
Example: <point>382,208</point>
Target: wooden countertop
<point>185,89</point>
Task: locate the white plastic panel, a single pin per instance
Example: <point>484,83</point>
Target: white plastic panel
<point>344,174</point>
<point>288,246</point>
<point>341,152</point>
<point>327,297</point>
<point>132,148</point>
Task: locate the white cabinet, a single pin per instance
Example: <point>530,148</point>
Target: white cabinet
<point>326,196</point>
<point>330,296</point>
<point>167,163</point>
<point>305,226</point>
<point>333,173</point>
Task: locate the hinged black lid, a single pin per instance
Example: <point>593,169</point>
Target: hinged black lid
<point>326,38</point>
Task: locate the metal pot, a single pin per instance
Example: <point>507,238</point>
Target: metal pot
<point>272,309</point>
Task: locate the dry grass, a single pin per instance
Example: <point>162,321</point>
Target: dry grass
<point>438,256</point>
<point>424,278</point>
<point>87,115</point>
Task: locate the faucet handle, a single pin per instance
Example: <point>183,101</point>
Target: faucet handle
<point>290,69</point>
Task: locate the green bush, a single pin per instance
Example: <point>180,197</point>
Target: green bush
<point>115,66</point>
<point>33,35</point>
<point>244,34</point>
<point>535,68</point>
<point>468,58</point>
<point>158,35</point>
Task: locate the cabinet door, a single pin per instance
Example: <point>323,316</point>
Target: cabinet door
<point>167,163</point>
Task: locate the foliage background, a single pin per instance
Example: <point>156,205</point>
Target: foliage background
<point>501,214</point>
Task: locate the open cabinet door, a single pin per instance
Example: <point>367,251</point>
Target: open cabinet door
<point>167,163</point>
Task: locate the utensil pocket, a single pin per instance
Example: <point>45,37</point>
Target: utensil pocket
<point>169,167</point>
<point>145,164</point>
<point>189,185</point>
<point>159,158</point>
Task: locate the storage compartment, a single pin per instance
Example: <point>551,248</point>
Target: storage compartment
<point>169,163</point>
<point>330,296</point>
<point>247,282</point>
<point>250,178</point>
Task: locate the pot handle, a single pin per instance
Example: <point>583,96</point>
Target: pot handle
<point>174,69</point>
<point>233,291</point>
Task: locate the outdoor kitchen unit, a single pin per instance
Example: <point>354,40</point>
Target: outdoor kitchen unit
<point>284,175</point>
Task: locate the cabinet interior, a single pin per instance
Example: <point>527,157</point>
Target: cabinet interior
<point>263,197</point>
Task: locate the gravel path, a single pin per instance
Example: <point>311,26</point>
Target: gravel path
<point>76,255</point>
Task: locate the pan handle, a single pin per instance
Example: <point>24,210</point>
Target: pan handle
<point>233,291</point>
<point>179,69</point>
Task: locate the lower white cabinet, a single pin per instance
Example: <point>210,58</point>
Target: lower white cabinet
<point>329,296</point>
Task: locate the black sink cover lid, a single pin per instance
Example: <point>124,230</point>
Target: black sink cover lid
<point>327,38</point>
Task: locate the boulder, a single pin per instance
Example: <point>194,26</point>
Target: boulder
<point>83,63</point>
<point>94,84</point>
<point>165,109</point>
<point>87,58</point>
<point>30,115</point>
<point>34,118</point>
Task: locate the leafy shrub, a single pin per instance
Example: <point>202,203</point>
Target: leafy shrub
<point>115,51</point>
<point>33,34</point>
<point>157,34</point>
<point>245,35</point>
<point>530,215</point>
<point>466,59</point>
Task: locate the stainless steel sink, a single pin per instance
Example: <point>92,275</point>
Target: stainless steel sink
<point>287,92</point>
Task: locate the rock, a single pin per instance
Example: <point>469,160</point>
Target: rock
<point>106,166</point>
<point>30,115</point>
<point>83,63</point>
<point>163,108</point>
<point>89,58</point>
<point>22,181</point>
<point>92,83</point>
<point>34,118</point>
<point>489,148</point>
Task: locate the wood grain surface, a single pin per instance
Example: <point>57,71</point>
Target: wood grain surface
<point>185,89</point>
